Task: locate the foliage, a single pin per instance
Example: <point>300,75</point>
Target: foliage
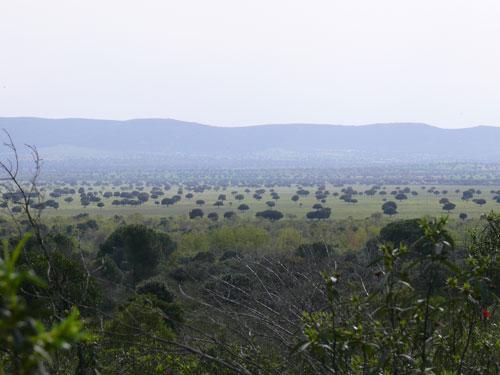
<point>321,213</point>
<point>401,232</point>
<point>272,215</point>
<point>403,327</point>
<point>390,208</point>
<point>138,249</point>
<point>27,345</point>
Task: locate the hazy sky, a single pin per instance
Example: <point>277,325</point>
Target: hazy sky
<point>238,62</point>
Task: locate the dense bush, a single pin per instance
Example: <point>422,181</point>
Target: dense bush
<point>405,328</point>
<point>27,345</point>
<point>254,297</point>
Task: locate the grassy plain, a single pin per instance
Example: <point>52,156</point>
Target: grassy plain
<point>424,203</point>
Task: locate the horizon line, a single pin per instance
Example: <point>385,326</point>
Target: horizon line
<point>397,123</point>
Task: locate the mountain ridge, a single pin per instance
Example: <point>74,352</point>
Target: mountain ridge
<point>300,141</point>
<point>147,119</point>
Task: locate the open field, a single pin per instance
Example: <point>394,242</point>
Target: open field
<point>424,203</point>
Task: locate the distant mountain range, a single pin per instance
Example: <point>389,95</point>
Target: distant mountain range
<point>305,144</point>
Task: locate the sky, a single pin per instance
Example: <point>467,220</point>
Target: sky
<point>245,62</point>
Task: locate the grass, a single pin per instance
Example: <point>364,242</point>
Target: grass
<point>415,206</point>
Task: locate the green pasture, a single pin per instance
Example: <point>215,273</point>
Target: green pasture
<point>424,203</point>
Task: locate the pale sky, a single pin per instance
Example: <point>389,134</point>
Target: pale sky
<point>235,62</point>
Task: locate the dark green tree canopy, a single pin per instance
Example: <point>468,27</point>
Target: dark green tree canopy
<point>448,206</point>
<point>390,208</point>
<point>401,232</point>
<point>214,216</point>
<point>323,213</point>
<point>195,212</point>
<point>270,215</point>
<point>243,207</point>
<point>138,249</point>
